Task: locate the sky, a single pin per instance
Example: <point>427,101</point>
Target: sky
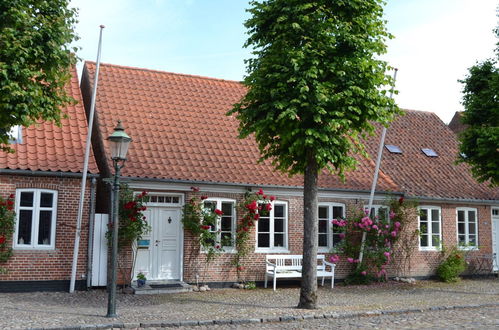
<point>435,42</point>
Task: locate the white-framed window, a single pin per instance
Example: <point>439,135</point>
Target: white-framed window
<point>430,227</point>
<point>36,211</point>
<point>16,135</point>
<point>329,236</point>
<point>225,226</point>
<point>272,229</point>
<point>381,212</point>
<point>467,227</point>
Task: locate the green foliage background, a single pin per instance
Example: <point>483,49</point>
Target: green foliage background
<point>35,61</point>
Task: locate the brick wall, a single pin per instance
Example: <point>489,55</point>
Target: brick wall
<point>421,263</point>
<point>49,265</point>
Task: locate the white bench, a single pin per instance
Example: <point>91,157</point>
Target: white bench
<point>289,266</point>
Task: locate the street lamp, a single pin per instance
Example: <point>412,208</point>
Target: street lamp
<point>119,142</point>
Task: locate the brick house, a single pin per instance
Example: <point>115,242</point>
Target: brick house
<point>44,174</point>
<point>182,138</point>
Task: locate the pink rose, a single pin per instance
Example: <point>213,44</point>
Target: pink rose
<point>387,254</point>
<point>350,260</point>
<point>341,235</point>
<point>392,214</point>
<point>363,272</point>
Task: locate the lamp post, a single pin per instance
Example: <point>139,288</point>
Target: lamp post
<point>119,142</point>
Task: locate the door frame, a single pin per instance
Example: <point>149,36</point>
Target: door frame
<point>171,206</point>
<point>495,240</point>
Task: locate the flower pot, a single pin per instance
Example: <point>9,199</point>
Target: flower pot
<point>141,283</point>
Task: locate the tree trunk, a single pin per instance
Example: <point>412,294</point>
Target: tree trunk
<point>308,292</point>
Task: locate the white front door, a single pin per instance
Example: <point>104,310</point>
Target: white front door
<point>159,253</point>
<point>495,236</point>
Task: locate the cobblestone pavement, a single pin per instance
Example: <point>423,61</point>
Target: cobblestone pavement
<point>468,318</point>
<point>240,307</point>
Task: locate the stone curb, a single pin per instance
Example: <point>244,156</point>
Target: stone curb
<point>284,318</point>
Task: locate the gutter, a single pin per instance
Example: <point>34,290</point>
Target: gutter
<point>455,200</point>
<point>247,185</point>
<point>47,173</point>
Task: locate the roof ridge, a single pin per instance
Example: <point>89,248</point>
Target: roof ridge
<point>165,72</point>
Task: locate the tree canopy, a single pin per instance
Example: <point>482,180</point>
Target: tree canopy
<point>479,142</point>
<point>315,85</point>
<point>35,61</point>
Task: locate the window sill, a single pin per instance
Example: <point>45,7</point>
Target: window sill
<point>271,250</point>
<point>429,249</point>
<point>324,250</point>
<point>468,248</point>
<point>33,249</point>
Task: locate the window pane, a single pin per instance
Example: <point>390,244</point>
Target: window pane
<point>44,227</point>
<point>227,208</point>
<point>471,216</point>
<point>278,240</point>
<point>323,210</point>
<point>263,225</point>
<point>279,211</point>
<point>460,216</point>
<point>423,227</point>
<point>27,199</point>
<point>435,227</point>
<point>472,240</point>
<point>461,239</point>
<point>278,225</point>
<point>336,239</point>
<point>46,199</point>
<point>424,240</point>
<point>25,223</point>
<point>263,240</point>
<point>210,205</point>
<point>461,228</point>
<point>435,215</point>
<point>337,212</point>
<point>423,215</point>
<point>226,223</point>
<point>226,239</point>
<point>471,228</point>
<point>323,240</point>
<point>323,226</point>
<point>435,240</point>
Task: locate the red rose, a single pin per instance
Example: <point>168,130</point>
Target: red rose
<point>252,206</point>
<point>218,212</point>
<point>205,227</point>
<point>11,196</point>
<point>217,246</point>
<point>144,193</point>
<point>401,200</point>
<point>257,216</point>
<point>245,228</point>
<point>10,208</point>
<point>204,197</point>
<point>10,203</point>
<point>272,198</point>
<point>133,219</point>
<point>250,224</point>
<point>2,239</point>
<point>260,192</point>
<point>195,189</point>
<point>268,207</point>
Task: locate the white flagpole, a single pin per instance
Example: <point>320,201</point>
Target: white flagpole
<point>85,169</point>
<point>376,172</point>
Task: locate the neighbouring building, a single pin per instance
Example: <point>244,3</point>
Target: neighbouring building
<point>182,137</point>
<point>44,174</point>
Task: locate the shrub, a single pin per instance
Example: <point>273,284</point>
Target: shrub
<point>450,269</point>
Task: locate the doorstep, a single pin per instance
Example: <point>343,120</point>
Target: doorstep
<point>161,287</point>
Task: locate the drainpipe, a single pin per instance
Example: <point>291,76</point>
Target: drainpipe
<point>91,223</point>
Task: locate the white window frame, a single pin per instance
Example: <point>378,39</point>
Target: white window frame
<point>376,208</point>
<point>283,249</point>
<point>219,201</point>
<point>330,236</point>
<point>466,228</point>
<point>430,246</point>
<point>35,219</point>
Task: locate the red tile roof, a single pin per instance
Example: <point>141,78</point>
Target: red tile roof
<point>420,175</point>
<point>46,147</point>
<point>180,130</point>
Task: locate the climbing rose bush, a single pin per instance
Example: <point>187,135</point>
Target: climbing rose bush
<point>7,222</point>
<point>382,233</point>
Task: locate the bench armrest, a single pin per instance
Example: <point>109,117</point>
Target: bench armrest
<point>273,266</point>
<point>330,264</point>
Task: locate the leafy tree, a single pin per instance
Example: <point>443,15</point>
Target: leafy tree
<point>314,88</point>
<point>35,59</point>
<point>479,142</point>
